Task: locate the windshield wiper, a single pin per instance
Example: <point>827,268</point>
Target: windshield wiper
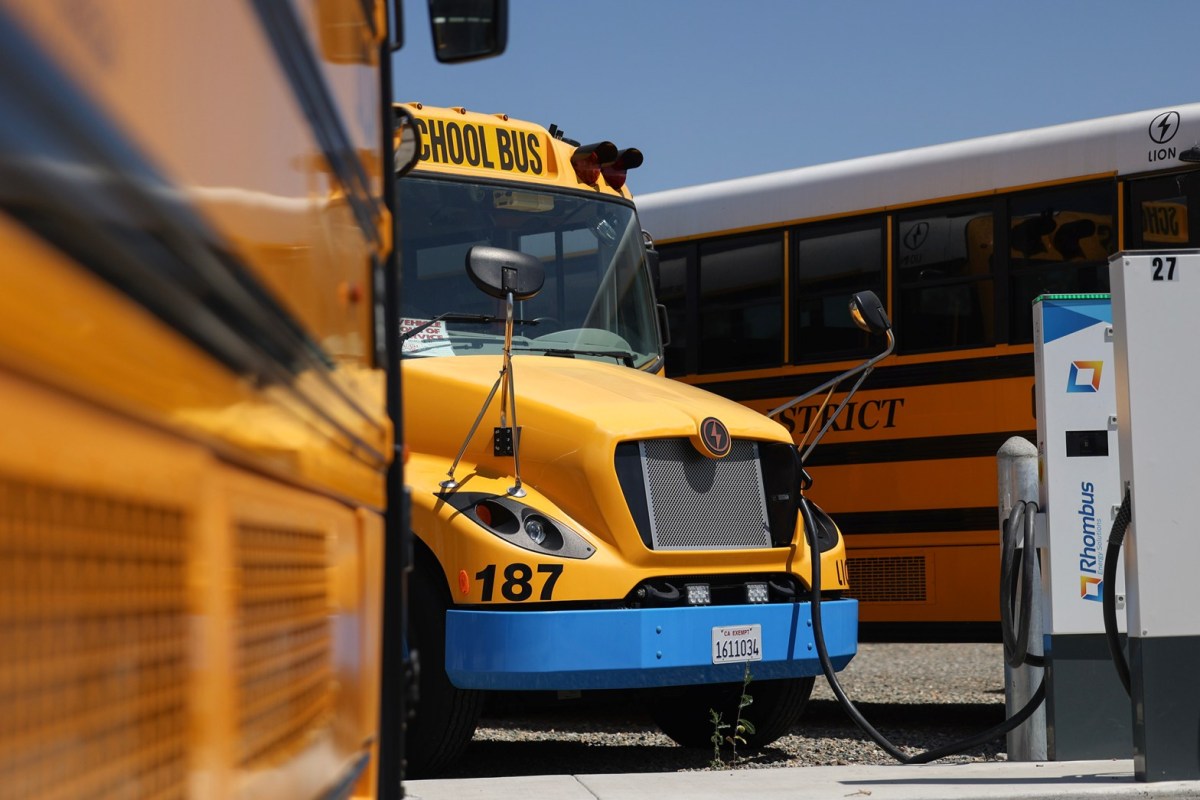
<point>623,356</point>
<point>454,316</point>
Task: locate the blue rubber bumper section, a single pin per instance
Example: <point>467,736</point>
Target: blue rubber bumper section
<point>631,648</point>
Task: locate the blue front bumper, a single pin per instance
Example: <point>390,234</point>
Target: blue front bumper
<point>629,648</point>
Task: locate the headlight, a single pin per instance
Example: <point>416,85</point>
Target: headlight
<point>536,527</point>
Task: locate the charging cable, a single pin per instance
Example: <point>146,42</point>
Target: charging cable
<point>810,533</point>
<point>1116,538</point>
<point>1016,576</point>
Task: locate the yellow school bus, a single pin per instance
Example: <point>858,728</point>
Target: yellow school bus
<point>580,521</point>
<point>958,239</point>
<point>194,218</point>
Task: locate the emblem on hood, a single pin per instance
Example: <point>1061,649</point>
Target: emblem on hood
<point>713,440</point>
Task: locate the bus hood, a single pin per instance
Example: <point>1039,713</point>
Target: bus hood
<point>572,415</point>
<point>562,404</point>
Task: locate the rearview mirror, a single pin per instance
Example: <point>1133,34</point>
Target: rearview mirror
<point>497,272</point>
<point>868,313</point>
<point>464,30</point>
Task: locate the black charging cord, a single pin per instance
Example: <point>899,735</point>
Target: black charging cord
<point>810,533</point>
<point>1116,538</point>
<point>1016,576</point>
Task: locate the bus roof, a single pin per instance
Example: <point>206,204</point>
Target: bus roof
<point>455,141</point>
<point>1133,143</point>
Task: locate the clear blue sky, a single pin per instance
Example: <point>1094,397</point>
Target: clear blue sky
<point>714,89</point>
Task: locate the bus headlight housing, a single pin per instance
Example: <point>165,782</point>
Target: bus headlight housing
<point>520,525</point>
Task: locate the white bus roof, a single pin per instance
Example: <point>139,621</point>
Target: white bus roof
<point>1126,144</point>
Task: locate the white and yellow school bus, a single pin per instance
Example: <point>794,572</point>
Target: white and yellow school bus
<point>581,521</point>
<point>196,443</point>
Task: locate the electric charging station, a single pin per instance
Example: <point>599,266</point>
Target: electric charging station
<point>1087,710</point>
<point>1154,296</point>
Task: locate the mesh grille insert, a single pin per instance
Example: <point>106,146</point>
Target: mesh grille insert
<point>285,677</point>
<point>92,645</point>
<point>888,579</point>
<point>700,503</point>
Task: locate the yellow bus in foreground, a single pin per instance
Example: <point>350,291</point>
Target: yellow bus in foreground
<point>194,219</point>
<point>959,238</point>
<point>582,522</point>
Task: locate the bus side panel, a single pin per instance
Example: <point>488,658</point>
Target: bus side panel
<point>305,700</point>
<point>95,605</point>
<point>200,91</point>
<point>192,462</point>
<point>65,326</point>
<point>925,582</point>
<point>173,626</point>
<point>909,474</point>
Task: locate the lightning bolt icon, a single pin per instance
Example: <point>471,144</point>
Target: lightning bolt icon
<point>1164,126</point>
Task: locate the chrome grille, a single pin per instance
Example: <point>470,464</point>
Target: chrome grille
<point>700,503</point>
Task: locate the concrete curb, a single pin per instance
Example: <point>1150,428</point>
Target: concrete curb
<point>1053,780</point>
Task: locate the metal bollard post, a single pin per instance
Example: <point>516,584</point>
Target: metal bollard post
<point>1017,481</point>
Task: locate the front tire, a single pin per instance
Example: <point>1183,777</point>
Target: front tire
<point>445,716</point>
<point>684,713</point>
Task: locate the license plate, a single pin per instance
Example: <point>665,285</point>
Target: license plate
<point>734,643</point>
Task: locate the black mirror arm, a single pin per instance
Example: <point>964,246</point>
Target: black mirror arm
<point>864,367</point>
<point>829,422</point>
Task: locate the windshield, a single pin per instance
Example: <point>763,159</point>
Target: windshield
<point>596,302</point>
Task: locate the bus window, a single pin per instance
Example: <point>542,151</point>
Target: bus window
<point>741,303</point>
<point>1059,242</point>
<point>944,262</point>
<point>571,260</point>
<point>591,254</point>
<point>1158,213</point>
<point>832,261</point>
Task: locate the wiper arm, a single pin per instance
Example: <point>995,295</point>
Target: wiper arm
<point>623,356</point>
<point>454,316</point>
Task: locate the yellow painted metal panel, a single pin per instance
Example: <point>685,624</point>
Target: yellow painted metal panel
<point>204,624</point>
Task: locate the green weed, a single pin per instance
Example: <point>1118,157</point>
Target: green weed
<point>737,731</point>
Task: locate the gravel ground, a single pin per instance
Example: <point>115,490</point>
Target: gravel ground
<point>919,696</point>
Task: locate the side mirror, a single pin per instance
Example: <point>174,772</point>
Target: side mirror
<point>497,272</point>
<point>464,30</point>
<point>509,276</point>
<point>868,313</point>
<point>407,141</point>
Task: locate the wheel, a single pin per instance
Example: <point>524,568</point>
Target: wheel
<point>684,713</point>
<point>445,716</point>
